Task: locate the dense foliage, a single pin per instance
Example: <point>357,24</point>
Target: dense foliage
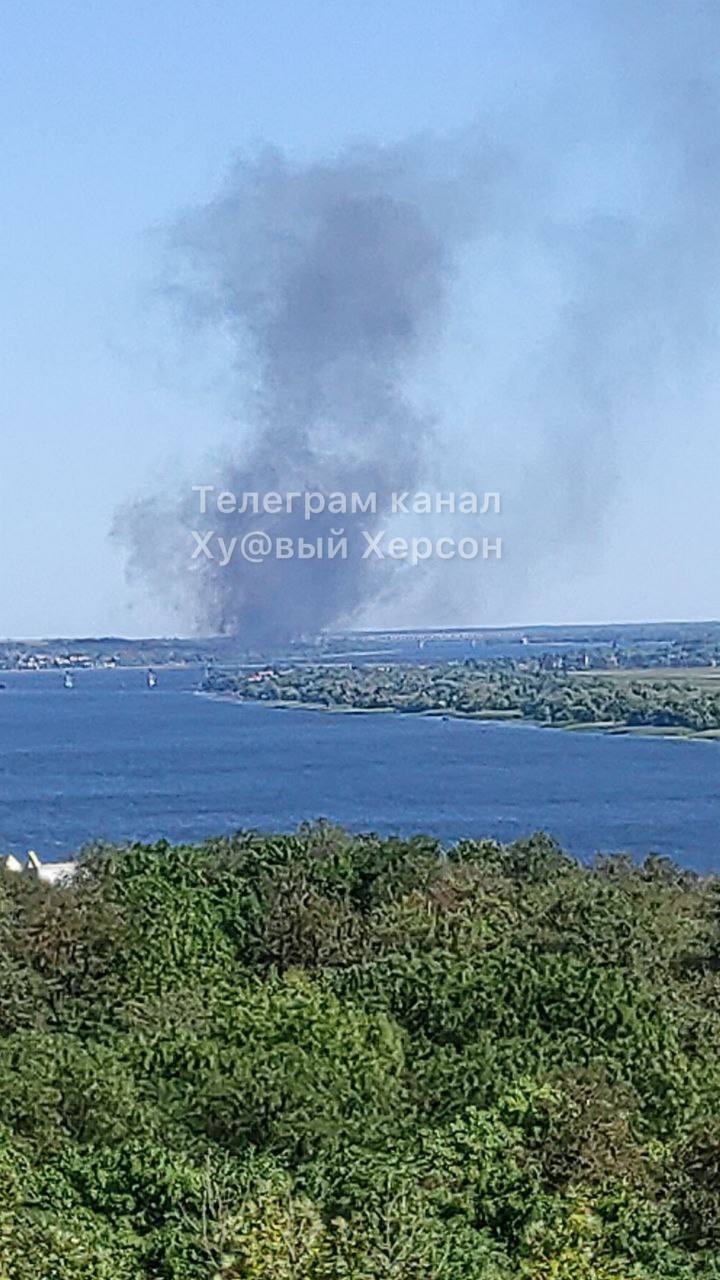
<point>489,689</point>
<point>324,1057</point>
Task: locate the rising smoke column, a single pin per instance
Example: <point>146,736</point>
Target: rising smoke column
<point>595,229</point>
<point>327,280</point>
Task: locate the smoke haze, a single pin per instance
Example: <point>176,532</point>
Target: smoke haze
<point>557,263</point>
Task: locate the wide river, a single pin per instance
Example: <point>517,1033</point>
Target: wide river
<point>113,759</point>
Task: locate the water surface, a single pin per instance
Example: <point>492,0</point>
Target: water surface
<point>112,759</point>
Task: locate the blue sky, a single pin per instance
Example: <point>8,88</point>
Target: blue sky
<point>115,116</point>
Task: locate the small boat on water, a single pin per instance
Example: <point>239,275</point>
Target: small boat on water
<point>68,682</point>
<point>151,679</point>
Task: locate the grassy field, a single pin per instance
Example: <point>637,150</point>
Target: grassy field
<point>702,677</point>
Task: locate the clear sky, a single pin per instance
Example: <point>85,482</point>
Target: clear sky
<point>116,115</point>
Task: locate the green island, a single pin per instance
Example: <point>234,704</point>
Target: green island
<point>320,1056</point>
<point>673,701</point>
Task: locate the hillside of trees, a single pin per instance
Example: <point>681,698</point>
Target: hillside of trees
<point>326,1057</point>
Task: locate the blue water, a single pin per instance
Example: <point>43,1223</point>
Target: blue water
<point>113,759</point>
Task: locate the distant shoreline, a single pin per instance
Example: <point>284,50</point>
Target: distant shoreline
<point>606,728</point>
<point>79,670</point>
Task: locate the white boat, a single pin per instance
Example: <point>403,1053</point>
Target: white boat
<point>151,680</point>
<point>68,681</point>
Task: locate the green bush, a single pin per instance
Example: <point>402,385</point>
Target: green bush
<point>322,1056</point>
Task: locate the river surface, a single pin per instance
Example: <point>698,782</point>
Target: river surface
<point>112,759</point>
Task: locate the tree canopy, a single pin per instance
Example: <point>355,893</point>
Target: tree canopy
<point>320,1056</point>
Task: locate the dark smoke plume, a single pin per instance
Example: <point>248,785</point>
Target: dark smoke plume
<point>589,228</point>
<point>329,280</point>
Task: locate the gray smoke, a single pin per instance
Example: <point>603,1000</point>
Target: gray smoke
<point>329,281</point>
<point>589,228</point>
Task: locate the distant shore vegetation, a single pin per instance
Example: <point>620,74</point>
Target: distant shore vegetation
<point>319,1056</point>
<point>670,700</point>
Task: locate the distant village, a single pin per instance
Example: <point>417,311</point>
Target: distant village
<point>101,654</point>
<point>29,661</point>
